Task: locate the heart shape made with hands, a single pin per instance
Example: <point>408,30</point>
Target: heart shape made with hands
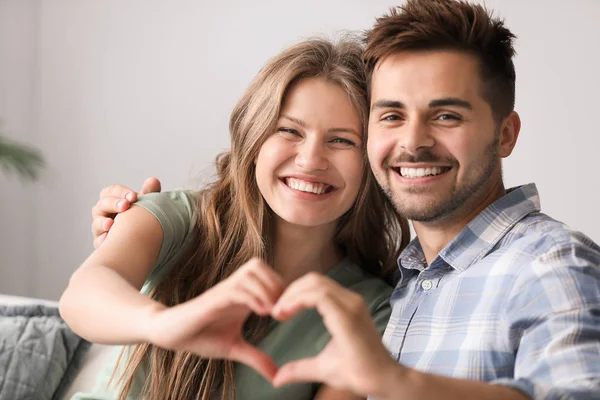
<point>222,335</point>
<point>350,325</point>
<point>347,361</point>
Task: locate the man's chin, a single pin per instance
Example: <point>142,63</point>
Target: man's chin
<point>422,216</point>
<point>424,210</point>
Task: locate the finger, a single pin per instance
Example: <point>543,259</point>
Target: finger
<point>151,185</point>
<point>101,225</point>
<point>335,307</point>
<point>262,270</point>
<point>304,370</point>
<point>259,300</point>
<point>255,359</point>
<point>110,205</point>
<point>261,278</point>
<point>270,280</point>
<point>99,240</point>
<point>120,191</point>
<point>310,282</point>
<point>254,303</point>
<point>287,308</point>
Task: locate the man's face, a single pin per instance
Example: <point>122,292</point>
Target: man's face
<point>433,142</point>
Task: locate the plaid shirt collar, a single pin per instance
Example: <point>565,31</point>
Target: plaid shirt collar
<point>480,236</point>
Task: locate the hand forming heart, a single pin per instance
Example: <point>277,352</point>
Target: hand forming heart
<point>354,357</point>
<point>211,324</point>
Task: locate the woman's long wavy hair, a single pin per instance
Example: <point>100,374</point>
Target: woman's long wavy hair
<point>233,220</point>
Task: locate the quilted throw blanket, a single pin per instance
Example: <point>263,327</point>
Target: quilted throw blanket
<point>39,354</point>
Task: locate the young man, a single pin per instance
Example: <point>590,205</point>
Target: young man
<point>496,299</point>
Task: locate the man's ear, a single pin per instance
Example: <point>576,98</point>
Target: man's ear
<point>509,132</point>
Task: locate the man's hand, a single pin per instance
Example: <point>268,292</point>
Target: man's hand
<point>355,359</point>
<point>115,199</point>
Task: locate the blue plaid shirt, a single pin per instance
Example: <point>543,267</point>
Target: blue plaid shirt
<point>513,300</point>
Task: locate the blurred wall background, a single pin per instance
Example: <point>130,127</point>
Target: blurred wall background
<point>114,91</point>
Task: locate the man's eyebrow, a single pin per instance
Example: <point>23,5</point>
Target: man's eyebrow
<point>447,101</point>
<point>450,101</point>
<point>387,104</point>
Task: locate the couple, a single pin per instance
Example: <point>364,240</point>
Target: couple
<point>493,298</point>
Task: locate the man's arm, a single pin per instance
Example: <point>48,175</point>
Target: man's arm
<point>115,199</point>
<point>553,320</point>
<point>405,383</point>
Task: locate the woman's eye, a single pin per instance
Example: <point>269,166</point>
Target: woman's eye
<point>343,141</point>
<point>288,131</point>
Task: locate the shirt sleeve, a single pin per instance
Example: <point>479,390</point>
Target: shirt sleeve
<point>553,317</point>
<point>175,213</point>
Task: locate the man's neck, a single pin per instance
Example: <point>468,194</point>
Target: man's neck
<point>435,236</point>
<point>298,250</point>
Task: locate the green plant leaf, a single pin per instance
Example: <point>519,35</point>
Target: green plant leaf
<point>22,160</point>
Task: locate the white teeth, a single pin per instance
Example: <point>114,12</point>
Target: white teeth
<point>308,187</point>
<point>420,172</point>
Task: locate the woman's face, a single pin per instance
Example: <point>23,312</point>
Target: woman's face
<point>309,171</point>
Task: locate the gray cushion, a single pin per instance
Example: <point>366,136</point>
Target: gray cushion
<point>39,354</point>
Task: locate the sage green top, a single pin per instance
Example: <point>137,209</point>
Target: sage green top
<point>303,336</point>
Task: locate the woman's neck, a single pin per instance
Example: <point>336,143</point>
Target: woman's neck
<point>298,250</point>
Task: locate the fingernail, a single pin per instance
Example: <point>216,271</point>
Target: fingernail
<point>107,224</point>
<point>129,196</point>
<point>121,204</point>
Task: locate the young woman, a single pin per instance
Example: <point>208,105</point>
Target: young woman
<point>294,195</point>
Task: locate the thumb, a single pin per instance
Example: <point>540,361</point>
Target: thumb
<point>151,185</point>
<point>304,370</point>
<point>255,359</point>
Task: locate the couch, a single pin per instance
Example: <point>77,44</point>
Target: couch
<point>88,364</point>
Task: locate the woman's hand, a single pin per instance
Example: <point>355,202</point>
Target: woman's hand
<point>211,324</point>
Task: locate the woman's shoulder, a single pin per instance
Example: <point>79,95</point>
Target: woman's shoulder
<point>175,200</point>
<point>174,210</point>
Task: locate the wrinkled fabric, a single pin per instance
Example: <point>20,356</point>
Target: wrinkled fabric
<point>39,354</point>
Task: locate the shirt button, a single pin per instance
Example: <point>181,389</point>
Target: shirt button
<point>426,284</point>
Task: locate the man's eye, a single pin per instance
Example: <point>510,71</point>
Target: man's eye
<point>391,117</point>
<point>448,117</point>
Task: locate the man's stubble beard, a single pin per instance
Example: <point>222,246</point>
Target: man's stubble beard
<point>459,199</point>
